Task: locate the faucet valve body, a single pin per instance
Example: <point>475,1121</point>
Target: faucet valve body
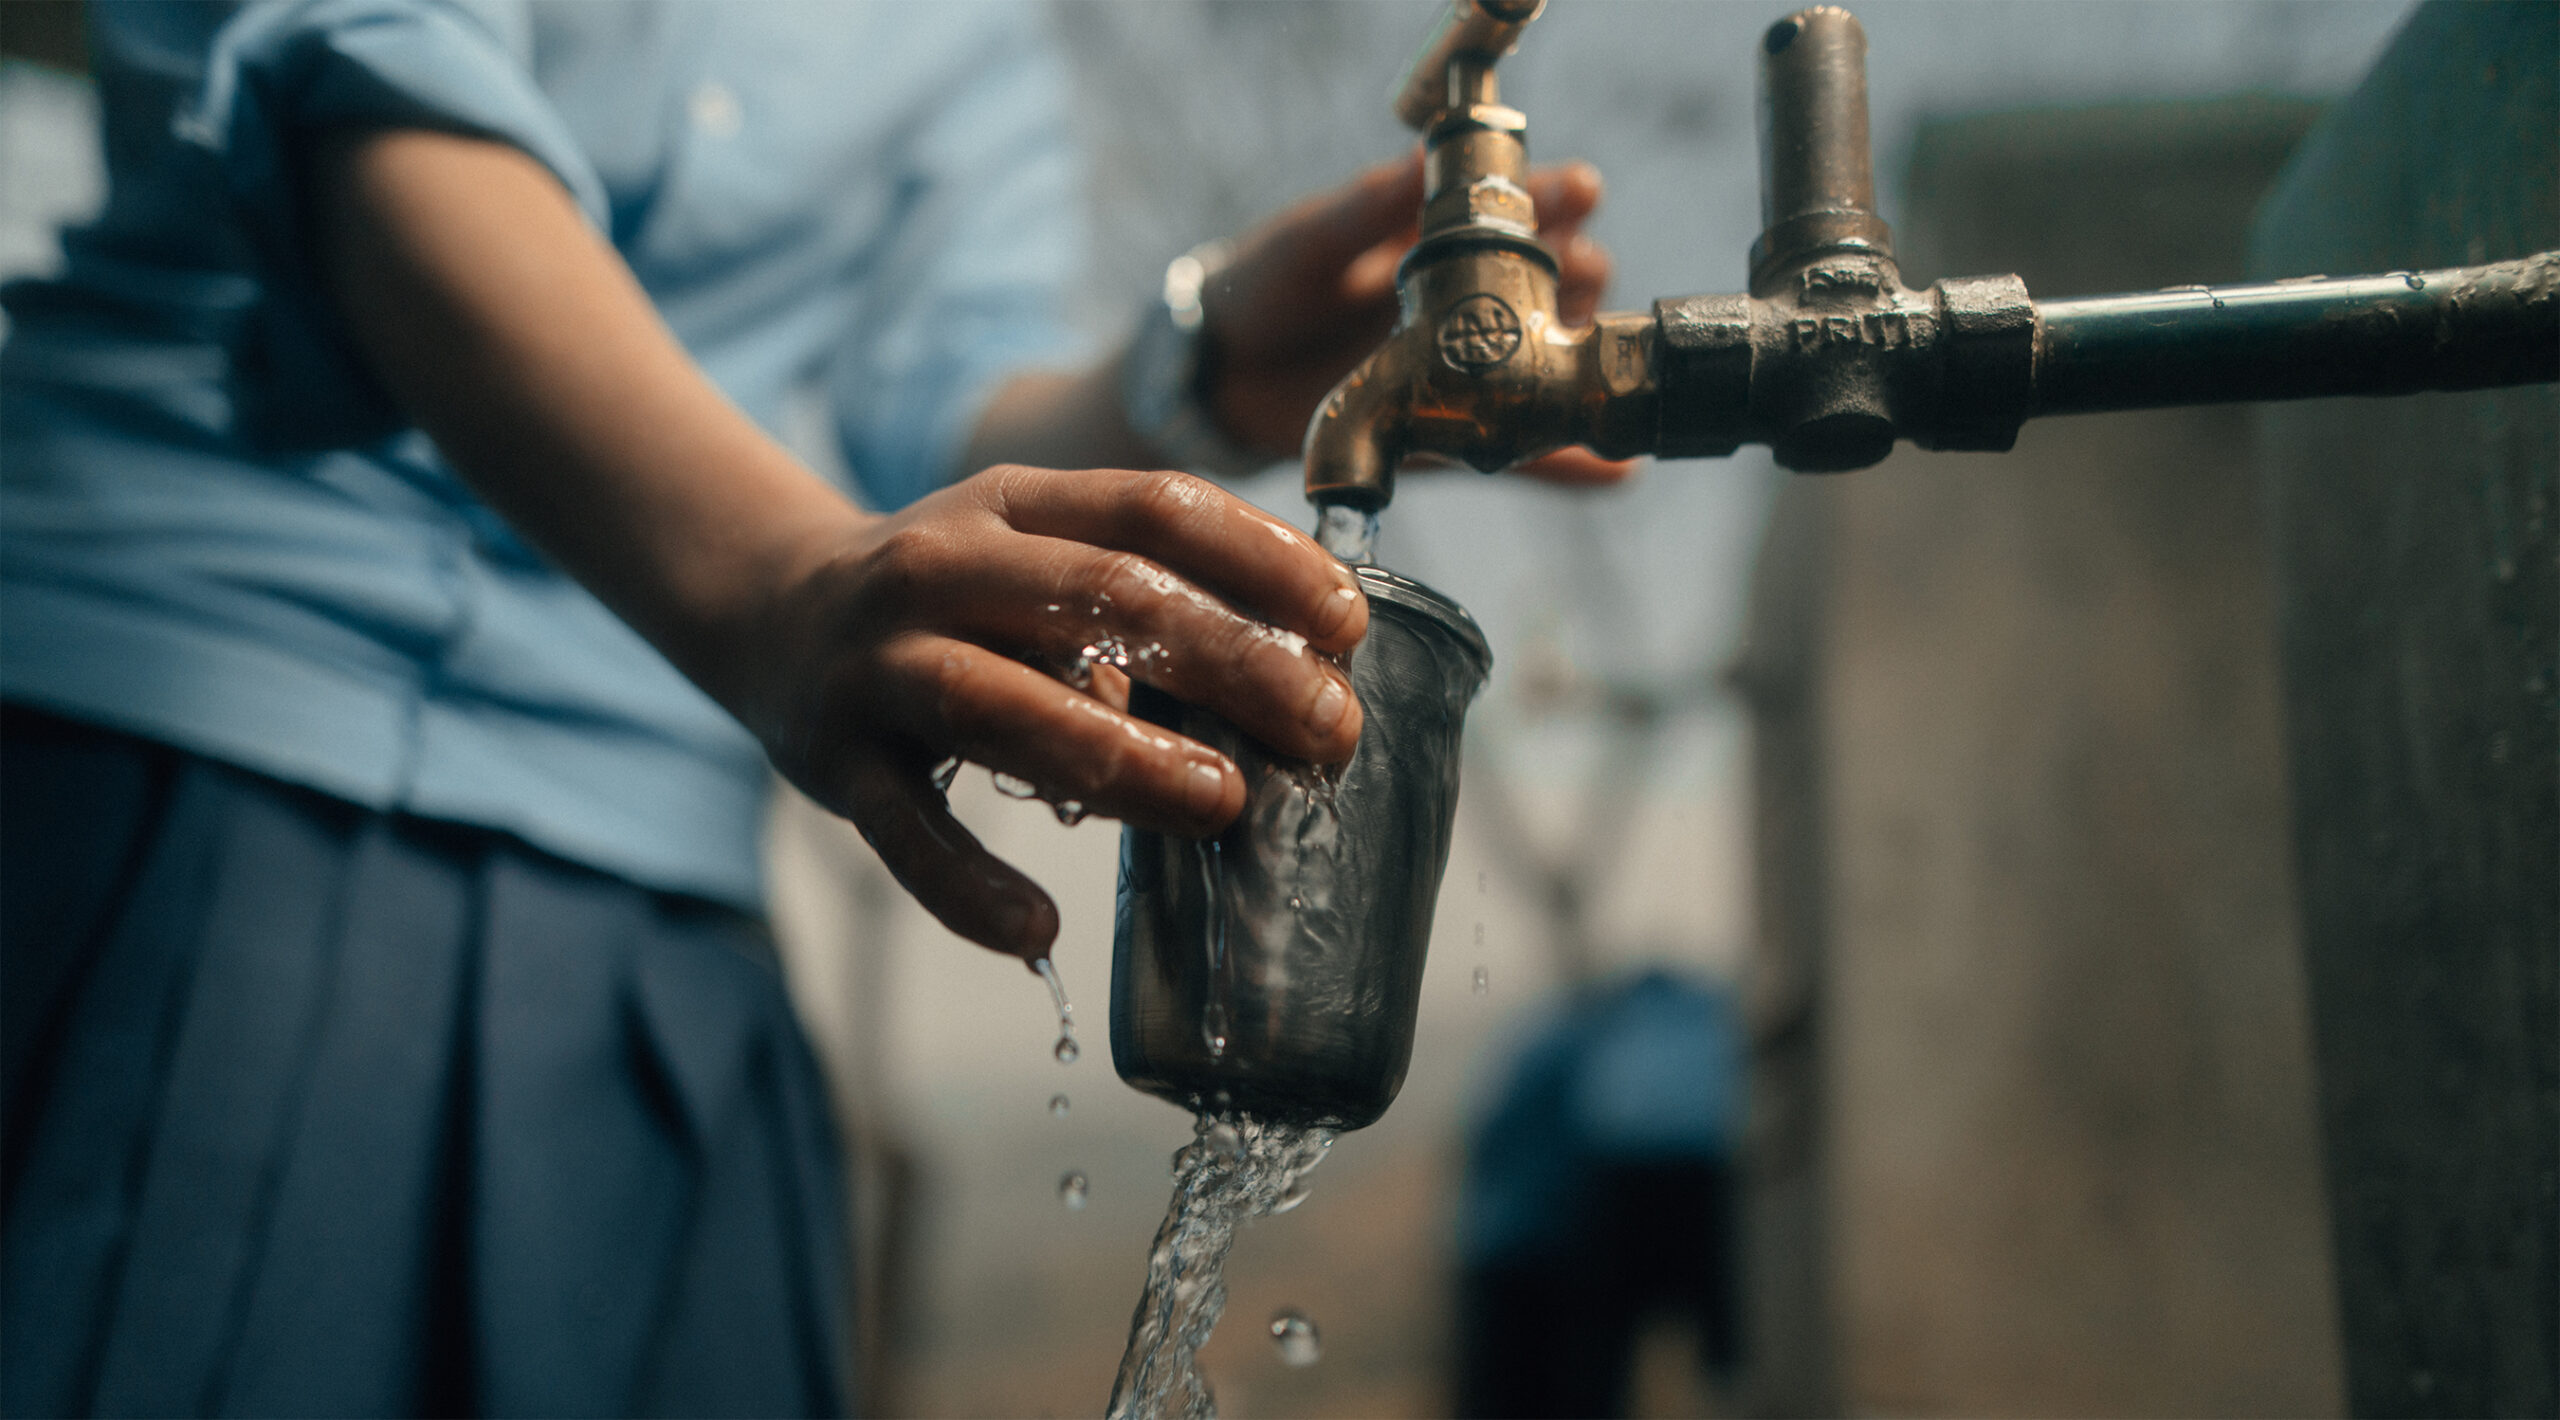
<point>1481,369</point>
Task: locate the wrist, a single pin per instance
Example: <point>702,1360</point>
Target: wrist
<point>744,627</point>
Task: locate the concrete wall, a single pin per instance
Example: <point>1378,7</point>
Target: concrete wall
<point>2037,1090</point>
<point>2418,559</point>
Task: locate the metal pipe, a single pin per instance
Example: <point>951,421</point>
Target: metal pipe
<point>2402,333</point>
<point>1817,174</point>
<point>1483,30</point>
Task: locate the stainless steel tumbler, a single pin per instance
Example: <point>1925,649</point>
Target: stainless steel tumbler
<point>1276,970</point>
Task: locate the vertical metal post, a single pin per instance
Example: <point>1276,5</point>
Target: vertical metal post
<point>1817,178</point>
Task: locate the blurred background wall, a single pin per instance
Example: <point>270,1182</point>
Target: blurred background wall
<point>2031,1131</point>
<point>2064,1137</point>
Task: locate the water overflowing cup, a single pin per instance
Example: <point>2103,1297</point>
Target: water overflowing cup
<point>1276,970</point>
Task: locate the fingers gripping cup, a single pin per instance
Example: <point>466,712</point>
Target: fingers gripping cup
<point>1277,969</point>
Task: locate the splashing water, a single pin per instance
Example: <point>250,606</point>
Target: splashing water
<point>1294,1337</point>
<point>1215,1021</point>
<point>1226,1139</point>
<point>1213,1192</point>
<point>1066,1049</point>
<point>1072,1191</point>
<point>1348,533</point>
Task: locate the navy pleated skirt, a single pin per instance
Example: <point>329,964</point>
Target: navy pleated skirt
<point>314,1110</point>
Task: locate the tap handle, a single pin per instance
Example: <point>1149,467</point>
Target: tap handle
<point>1481,30</point>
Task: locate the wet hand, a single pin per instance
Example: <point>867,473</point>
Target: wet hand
<point>1309,293</point>
<point>935,634</point>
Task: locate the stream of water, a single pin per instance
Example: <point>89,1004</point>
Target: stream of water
<point>1348,533</point>
<point>1233,1170</point>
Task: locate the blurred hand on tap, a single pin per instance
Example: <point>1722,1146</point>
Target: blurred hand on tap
<point>1298,302</point>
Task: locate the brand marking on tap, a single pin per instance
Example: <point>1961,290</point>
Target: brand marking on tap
<point>1479,333</point>
<point>1883,329</point>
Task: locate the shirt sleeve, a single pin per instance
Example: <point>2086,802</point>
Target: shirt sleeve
<point>975,282</point>
<point>278,73</point>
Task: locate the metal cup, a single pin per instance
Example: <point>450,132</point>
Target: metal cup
<point>1277,969</point>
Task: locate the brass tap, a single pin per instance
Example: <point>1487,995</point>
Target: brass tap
<point>1480,369</point>
<point>1829,359</point>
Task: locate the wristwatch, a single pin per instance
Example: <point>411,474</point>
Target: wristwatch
<point>1161,378</point>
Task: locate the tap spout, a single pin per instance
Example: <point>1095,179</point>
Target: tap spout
<point>1357,438</point>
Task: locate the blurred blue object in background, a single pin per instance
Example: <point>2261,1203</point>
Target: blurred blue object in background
<point>1600,1196</point>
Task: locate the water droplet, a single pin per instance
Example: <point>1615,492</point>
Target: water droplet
<point>1047,969</point>
<point>1295,1338</point>
<point>1069,812</point>
<point>1484,982</point>
<point>1213,1028</point>
<point>1066,1050</point>
<point>1297,903</point>
<point>1072,1190</point>
<point>1013,788</point>
<point>944,773</point>
<point>2416,282</point>
<point>1057,1106</point>
<point>1296,1194</point>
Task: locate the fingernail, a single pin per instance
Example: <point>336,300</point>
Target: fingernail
<point>1332,703</point>
<point>1334,612</point>
<point>1204,790</point>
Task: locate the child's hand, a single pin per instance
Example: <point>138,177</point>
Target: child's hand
<point>935,633</point>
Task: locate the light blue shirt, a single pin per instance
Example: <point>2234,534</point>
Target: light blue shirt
<point>215,530</point>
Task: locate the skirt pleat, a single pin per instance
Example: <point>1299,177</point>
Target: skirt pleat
<point>325,1111</point>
